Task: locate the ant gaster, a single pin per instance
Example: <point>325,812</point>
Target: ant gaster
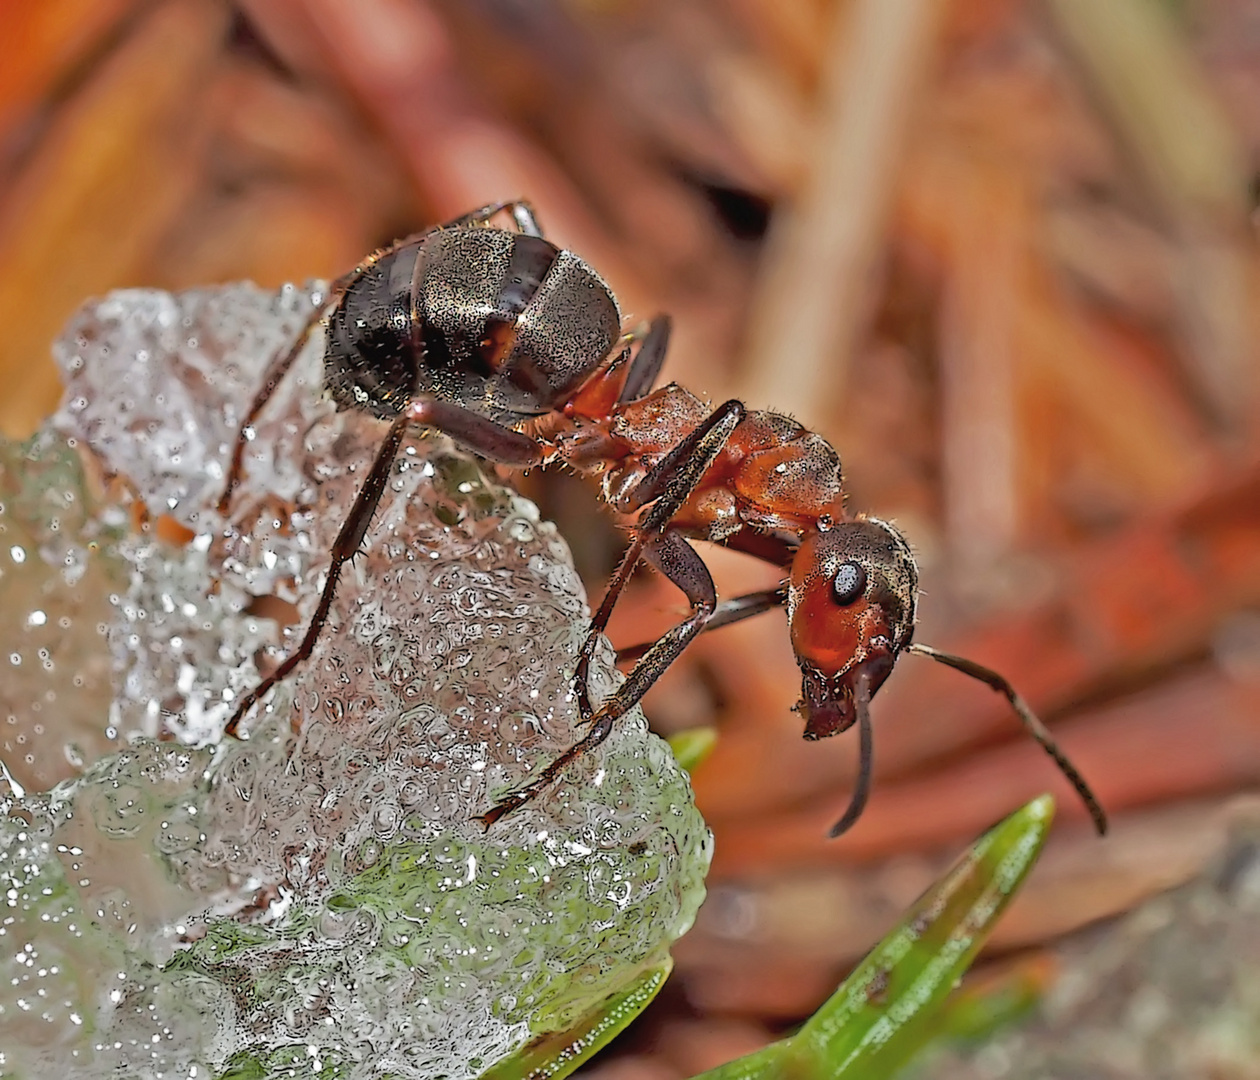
<point>513,347</point>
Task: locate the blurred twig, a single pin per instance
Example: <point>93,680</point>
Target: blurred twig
<point>817,274</point>
<point>1196,169</point>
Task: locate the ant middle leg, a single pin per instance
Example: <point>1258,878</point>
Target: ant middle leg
<point>769,549</point>
<point>670,553</point>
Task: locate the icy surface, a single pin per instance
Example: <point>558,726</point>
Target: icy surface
<point>57,572</point>
<point>317,900</point>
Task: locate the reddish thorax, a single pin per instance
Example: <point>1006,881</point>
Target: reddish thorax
<point>772,476</point>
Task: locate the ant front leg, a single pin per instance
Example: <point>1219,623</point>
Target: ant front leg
<point>736,609</point>
<point>679,561</point>
<point>667,486</point>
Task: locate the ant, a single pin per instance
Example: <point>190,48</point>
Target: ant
<point>513,347</point>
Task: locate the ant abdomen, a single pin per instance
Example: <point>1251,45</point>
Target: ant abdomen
<point>370,360</point>
<point>504,323</point>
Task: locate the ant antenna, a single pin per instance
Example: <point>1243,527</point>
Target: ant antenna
<point>1035,727</point>
<point>862,704</point>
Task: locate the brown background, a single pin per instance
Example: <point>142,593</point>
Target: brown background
<point>1001,253</point>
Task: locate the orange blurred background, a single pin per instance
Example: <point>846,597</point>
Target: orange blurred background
<point>1000,252</point>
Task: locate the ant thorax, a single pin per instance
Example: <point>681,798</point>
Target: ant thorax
<point>773,475</point>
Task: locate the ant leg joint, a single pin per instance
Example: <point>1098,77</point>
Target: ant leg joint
<point>475,432</point>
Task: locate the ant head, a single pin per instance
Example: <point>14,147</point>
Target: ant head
<point>851,612</point>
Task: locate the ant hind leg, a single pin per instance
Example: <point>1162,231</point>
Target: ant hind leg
<point>272,378</point>
<point>526,222</point>
<point>522,215</point>
<point>648,361</point>
<point>483,436</point>
<point>279,368</point>
<point>344,549</point>
<point>474,432</point>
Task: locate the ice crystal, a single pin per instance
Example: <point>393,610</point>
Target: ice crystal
<point>318,900</point>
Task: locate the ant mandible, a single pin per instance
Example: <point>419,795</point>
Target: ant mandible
<point>513,347</point>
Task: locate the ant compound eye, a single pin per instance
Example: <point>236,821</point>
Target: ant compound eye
<point>849,583</point>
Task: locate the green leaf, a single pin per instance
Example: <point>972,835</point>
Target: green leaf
<point>550,1057</point>
<point>888,1007</point>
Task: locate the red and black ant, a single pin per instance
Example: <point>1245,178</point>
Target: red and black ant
<point>513,347</point>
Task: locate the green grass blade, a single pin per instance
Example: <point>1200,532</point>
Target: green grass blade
<point>887,1008</point>
<point>551,1057</point>
<point>693,745</point>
